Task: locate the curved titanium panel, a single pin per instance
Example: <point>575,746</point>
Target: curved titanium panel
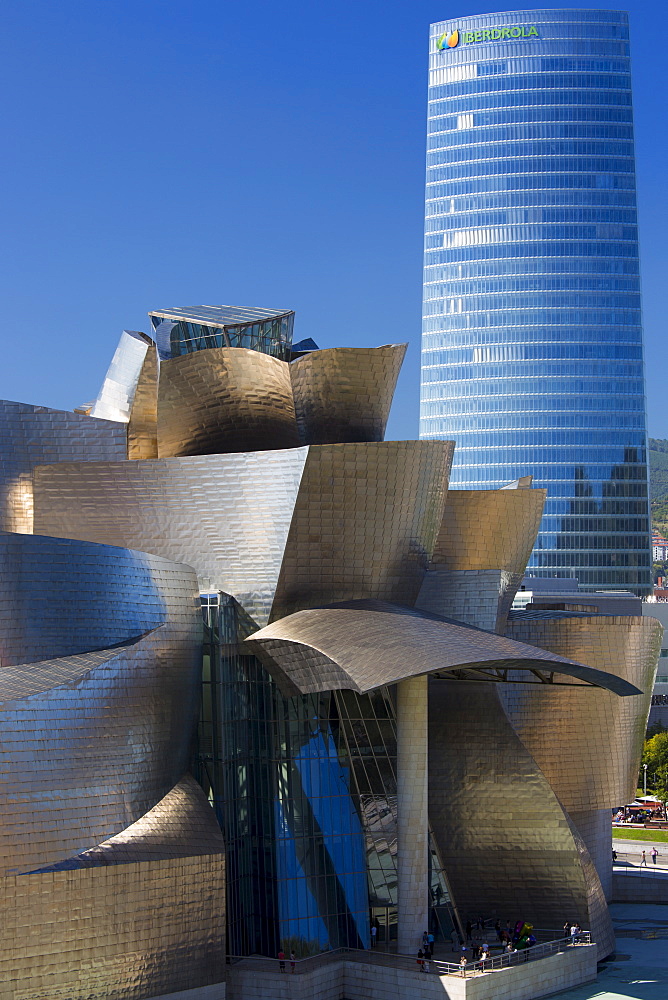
<point>60,597</point>
<point>35,435</point>
<point>90,742</point>
<point>224,399</point>
<point>114,400</point>
<point>143,422</point>
<point>345,393</point>
<point>587,743</point>
<point>181,825</point>
<point>364,524</point>
<point>129,930</point>
<point>226,515</point>
<point>506,844</point>
<point>483,544</point>
<point>367,644</point>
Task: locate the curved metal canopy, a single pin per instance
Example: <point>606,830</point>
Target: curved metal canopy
<point>362,645</point>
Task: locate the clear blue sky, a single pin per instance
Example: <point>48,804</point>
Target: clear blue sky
<point>163,152</point>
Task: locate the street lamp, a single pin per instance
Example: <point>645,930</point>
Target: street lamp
<point>644,780</point>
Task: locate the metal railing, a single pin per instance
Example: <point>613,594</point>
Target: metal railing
<point>299,966</point>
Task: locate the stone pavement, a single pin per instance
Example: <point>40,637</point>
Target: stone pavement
<point>639,969</point>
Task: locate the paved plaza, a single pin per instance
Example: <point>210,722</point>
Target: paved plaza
<point>639,968</point>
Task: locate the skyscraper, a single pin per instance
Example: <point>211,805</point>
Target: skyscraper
<point>532,356</point>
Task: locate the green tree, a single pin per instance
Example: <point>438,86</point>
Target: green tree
<point>655,755</point>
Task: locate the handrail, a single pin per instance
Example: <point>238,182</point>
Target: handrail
<point>491,964</point>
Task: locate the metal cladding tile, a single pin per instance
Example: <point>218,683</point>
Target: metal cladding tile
<point>181,825</point>
<point>89,742</point>
<point>129,930</point>
<point>143,422</point>
<point>508,848</point>
<point>364,523</point>
<point>35,435</point>
<point>224,399</point>
<point>344,394</point>
<point>228,516</point>
<point>115,398</point>
<point>362,645</point>
<point>588,743</point>
<point>82,760</point>
<point>60,597</point>
<point>489,529</point>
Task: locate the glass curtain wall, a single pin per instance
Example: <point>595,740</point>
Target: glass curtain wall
<point>305,791</point>
<point>532,355</point>
<point>273,336</point>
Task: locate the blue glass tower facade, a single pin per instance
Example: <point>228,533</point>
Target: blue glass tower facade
<point>532,356</point>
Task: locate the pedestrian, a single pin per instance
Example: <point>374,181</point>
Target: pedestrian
<point>654,853</point>
<point>374,933</point>
<point>614,855</point>
<point>425,965</point>
<point>293,959</point>
<point>462,964</point>
<point>484,951</point>
<point>578,932</point>
<point>431,945</point>
<point>420,960</point>
<point>497,928</point>
<point>469,928</point>
<point>454,937</point>
<point>425,940</point>
<point>481,923</point>
<point>281,960</point>
<point>574,933</point>
<point>643,860</point>
<point>567,928</point>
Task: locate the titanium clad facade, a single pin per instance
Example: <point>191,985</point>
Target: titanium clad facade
<point>532,355</point>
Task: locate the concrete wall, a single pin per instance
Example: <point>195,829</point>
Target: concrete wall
<point>638,889</point>
<point>355,980</point>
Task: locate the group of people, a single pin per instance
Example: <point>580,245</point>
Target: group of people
<point>573,931</point>
<point>281,961</point>
<point>426,952</point>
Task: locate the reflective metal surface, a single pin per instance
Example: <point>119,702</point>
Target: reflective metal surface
<point>364,523</point>
<point>90,740</point>
<point>587,743</point>
<point>126,931</point>
<point>224,399</point>
<point>202,511</point>
<point>483,544</point>
<point>509,849</point>
<point>181,825</point>
<point>361,645</point>
<point>36,435</point>
<point>115,398</point>
<point>345,394</point>
<point>143,422</point>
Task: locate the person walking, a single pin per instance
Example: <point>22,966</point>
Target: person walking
<point>469,929</point>
<point>431,945</point>
<point>293,959</point>
<point>454,937</point>
<point>567,928</point>
<point>643,860</point>
<point>374,934</point>
<point>654,853</point>
<point>281,960</point>
<point>420,960</point>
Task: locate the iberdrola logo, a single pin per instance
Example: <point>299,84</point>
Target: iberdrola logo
<point>448,41</point>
